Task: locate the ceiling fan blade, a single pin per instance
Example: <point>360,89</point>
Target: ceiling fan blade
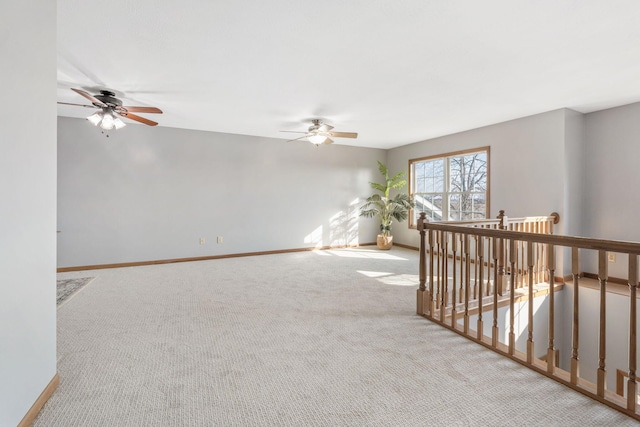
<point>153,110</point>
<point>325,128</point>
<point>303,136</point>
<point>137,118</point>
<point>78,105</point>
<point>328,141</point>
<point>344,134</point>
<point>90,97</point>
<point>293,131</point>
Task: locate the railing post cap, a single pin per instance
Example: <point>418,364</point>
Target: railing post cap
<point>421,220</point>
<point>501,216</point>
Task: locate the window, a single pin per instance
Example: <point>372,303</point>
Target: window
<point>450,187</point>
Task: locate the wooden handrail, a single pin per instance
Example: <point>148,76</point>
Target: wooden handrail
<point>554,218</point>
<point>481,265</point>
<point>557,240</point>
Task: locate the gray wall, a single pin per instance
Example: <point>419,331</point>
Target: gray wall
<point>526,164</point>
<point>27,205</point>
<point>574,172</point>
<point>150,194</point>
<point>612,179</point>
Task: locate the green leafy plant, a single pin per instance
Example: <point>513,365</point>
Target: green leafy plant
<point>384,207</point>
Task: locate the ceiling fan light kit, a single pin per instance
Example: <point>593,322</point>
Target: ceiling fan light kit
<point>320,133</point>
<point>110,108</point>
<point>118,124</point>
<point>317,139</point>
<point>106,120</point>
<point>95,118</point>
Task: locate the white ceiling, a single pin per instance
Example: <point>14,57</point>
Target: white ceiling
<point>396,72</point>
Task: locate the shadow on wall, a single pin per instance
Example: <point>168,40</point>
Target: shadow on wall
<point>341,229</point>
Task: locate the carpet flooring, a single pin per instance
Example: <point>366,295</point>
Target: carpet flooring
<point>323,338</point>
<point>67,287</point>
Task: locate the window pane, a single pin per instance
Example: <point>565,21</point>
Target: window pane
<point>436,200</point>
<point>428,169</point>
<point>466,206</point>
<point>479,206</point>
<point>438,167</point>
<point>434,187</point>
<point>454,207</point>
<point>430,204</point>
<point>480,184</point>
<point>438,184</point>
<point>456,183</point>
<point>455,165</point>
<point>476,171</point>
<point>451,187</point>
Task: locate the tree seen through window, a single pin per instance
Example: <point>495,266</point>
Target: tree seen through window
<point>451,187</point>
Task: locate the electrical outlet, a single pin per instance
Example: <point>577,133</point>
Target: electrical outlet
<point>219,239</point>
<point>611,256</point>
<point>202,240</point>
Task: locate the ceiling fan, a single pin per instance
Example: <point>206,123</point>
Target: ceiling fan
<point>320,133</point>
<point>110,107</point>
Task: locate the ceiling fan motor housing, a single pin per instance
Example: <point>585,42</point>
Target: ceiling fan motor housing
<point>109,98</point>
<point>316,125</point>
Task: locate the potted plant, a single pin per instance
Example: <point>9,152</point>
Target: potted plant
<point>386,208</point>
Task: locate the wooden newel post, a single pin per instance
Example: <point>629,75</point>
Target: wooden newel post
<point>423,265</point>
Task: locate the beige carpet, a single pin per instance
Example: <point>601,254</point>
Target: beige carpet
<point>324,338</point>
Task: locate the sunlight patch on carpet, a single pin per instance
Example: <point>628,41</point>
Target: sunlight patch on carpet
<point>374,273</point>
<point>365,254</point>
<point>400,280</point>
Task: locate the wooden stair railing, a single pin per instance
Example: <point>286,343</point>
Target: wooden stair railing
<point>465,264</point>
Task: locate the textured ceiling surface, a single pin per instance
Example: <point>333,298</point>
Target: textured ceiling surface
<point>396,72</point>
